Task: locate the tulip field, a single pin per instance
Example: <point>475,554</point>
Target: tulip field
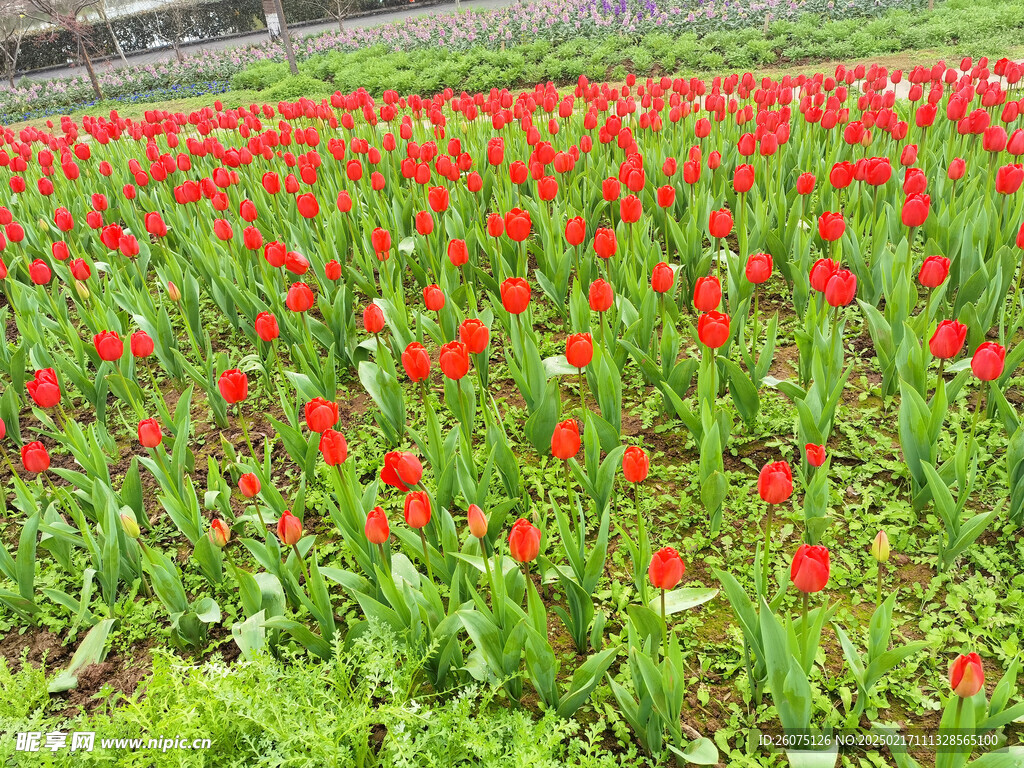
<point>675,421</point>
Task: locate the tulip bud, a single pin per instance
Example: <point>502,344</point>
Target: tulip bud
<point>220,534</point>
<point>477,521</point>
<point>966,675</point>
<point>172,292</point>
<point>82,290</point>
<point>131,528</point>
<point>880,547</point>
<point>289,529</point>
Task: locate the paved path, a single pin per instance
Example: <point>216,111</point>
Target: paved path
<point>153,57</point>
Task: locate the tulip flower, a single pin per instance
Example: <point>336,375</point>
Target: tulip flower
<point>662,277</point>
<point>141,344</point>
<point>987,362</point>
<point>380,239</point>
<point>821,273</point>
<point>129,526</point>
<point>831,226</point>
<point>220,533</point>
<point>815,454</point>
<point>373,319</point>
<point>34,457</point>
<point>333,447</point>
<point>915,210</point>
<point>635,464</point>
<point>948,340</point>
<point>433,298</point>
<point>233,386</point>
<point>665,572</point>
<point>458,253</point>
<point>601,296</point>
<point>401,470</point>
<point>810,569</point>
<point>300,298</point>
<point>289,531</point>
<point>454,360</point>
<point>841,288</point>
<point>774,486</point>
<point>880,552</point>
<point>321,414</point>
<point>44,389</point>
<point>150,435</point>
<point>605,244</point>
<point>416,362</point>
<point>108,345</point>
<point>475,335</point>
<point>713,329</point>
<point>966,675</point>
<point>565,440</point>
<point>417,516</point>
<point>477,521</point>
<point>524,541</point>
<point>934,271</point>
<point>515,295</point>
<point>249,485</point>
<point>266,327</point>
<point>376,528</point>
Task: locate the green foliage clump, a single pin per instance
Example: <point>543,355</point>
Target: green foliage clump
<point>260,76</point>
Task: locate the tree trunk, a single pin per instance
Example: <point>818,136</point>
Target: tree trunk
<point>286,36</point>
<point>88,66</point>
<point>110,30</point>
<point>177,36</point>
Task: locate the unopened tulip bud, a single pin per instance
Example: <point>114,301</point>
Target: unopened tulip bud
<point>477,521</point>
<point>220,534</point>
<point>131,528</point>
<point>82,290</point>
<point>880,547</point>
<point>172,292</point>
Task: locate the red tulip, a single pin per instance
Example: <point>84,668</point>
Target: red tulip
<point>565,440</point>
<point>333,447</point>
<point>321,414</point>
<point>458,253</point>
<point>61,252</point>
<point>524,541</point>
<point>934,271</point>
<point>108,345</point>
<point>831,226</point>
<point>988,360</point>
<point>39,273</point>
<point>454,360</point>
<point>915,210</point>
<point>743,179</point>
<point>720,223</point>
<point>401,470</point>
<point>477,521</point>
<point>155,225</point>
<point>437,199</point>
<point>373,318</point>
<point>966,675</point>
<point>266,326</point>
<point>289,529</point>
<point>775,482</point>
<point>579,350</point>
<point>666,569</point>
<point>841,288</point>
<point>300,297</point>
<point>417,509</point>
<point>805,183</point>
<point>957,168</point>
<point>821,273</point>
<point>630,209</point>
<point>810,568</point>
<point>575,230</point>
<point>233,386</point>
<point>433,298</point>
<point>34,457</point>
<point>601,295</point>
<point>759,268</point>
<point>332,270</point>
<point>666,196</point>
<point>713,329</point>
<point>948,340</point>
<point>475,335</point>
<point>150,435</point>
<point>815,454</point>
<point>377,529</point>
<point>249,485</point>
<point>515,295</point>
<point>416,362</point>
<point>605,244</point>
<point>307,205</point>
<point>517,224</point>
<point>424,223</point>
<point>141,344</point>
<point>44,389</point>
<point>635,464</point>
<point>1009,178</point>
<point>707,293</point>
<point>380,239</point>
<point>662,277</point>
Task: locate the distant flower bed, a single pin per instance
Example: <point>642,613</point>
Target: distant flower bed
<point>555,20</point>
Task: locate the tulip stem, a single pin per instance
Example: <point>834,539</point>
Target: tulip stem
<point>938,377</point>
<point>878,595</point>
<point>384,560</point>
<point>974,420</point>
<point>568,485</point>
<point>583,400</point>
<point>664,621</point>
<point>767,544</point>
<point>245,431</point>
<point>302,563</point>
<point>642,545</point>
<point>426,555</point>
